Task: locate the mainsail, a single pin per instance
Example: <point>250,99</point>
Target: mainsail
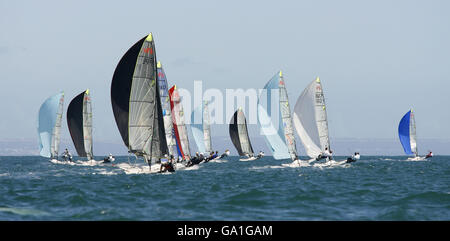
<point>407,133</point>
<point>275,120</point>
<point>178,123</point>
<point>239,134</point>
<point>136,103</point>
<point>79,121</point>
<point>49,125</point>
<point>310,119</point>
<point>200,127</point>
<point>166,110</point>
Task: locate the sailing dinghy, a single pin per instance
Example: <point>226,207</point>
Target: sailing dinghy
<point>310,120</point>
<point>239,136</point>
<point>79,122</point>
<point>136,102</point>
<point>49,126</point>
<point>274,119</point>
<point>407,136</point>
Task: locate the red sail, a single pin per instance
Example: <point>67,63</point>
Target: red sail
<point>175,126</point>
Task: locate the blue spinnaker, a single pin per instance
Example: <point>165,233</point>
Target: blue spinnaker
<point>47,118</point>
<point>197,128</point>
<point>269,119</point>
<point>403,133</point>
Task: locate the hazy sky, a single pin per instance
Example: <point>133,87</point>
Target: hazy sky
<point>376,59</point>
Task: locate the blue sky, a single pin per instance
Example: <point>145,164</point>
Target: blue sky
<point>376,59</point>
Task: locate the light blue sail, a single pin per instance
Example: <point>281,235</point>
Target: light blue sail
<point>404,133</point>
<point>269,119</point>
<point>197,128</point>
<point>47,121</point>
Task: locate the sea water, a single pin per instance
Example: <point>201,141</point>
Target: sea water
<point>373,188</point>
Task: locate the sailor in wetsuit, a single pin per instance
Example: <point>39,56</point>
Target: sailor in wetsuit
<point>353,158</point>
<point>325,154</point>
<point>109,158</point>
<point>195,160</point>
<point>167,164</point>
<point>260,154</point>
<point>429,155</point>
<point>226,153</point>
<point>67,156</point>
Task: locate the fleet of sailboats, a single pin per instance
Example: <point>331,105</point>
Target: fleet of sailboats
<point>151,121</point>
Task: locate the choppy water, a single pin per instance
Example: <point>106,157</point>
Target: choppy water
<point>374,188</point>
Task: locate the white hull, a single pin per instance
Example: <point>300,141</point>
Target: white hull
<point>417,158</point>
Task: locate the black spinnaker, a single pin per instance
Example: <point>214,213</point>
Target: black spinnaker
<point>79,122</point>
<point>239,134</point>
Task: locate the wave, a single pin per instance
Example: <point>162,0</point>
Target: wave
<point>24,211</point>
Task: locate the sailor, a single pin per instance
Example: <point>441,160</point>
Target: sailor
<point>323,155</point>
<point>212,156</point>
<point>167,164</point>
<point>226,153</point>
<point>353,158</point>
<point>429,155</point>
<point>67,156</point>
<point>194,160</point>
<point>260,154</point>
<point>109,158</point>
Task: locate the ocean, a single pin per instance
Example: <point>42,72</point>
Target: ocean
<point>374,188</point>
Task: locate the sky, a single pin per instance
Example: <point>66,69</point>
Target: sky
<point>376,59</point>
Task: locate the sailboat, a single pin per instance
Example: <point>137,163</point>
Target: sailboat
<point>79,121</point>
<point>201,131</point>
<point>166,111</point>
<point>407,135</point>
<point>136,102</point>
<point>239,136</point>
<point>179,126</point>
<point>279,138</point>
<point>310,120</point>
<point>49,126</point>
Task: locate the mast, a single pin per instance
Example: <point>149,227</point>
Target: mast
<point>413,136</point>
<point>87,125</point>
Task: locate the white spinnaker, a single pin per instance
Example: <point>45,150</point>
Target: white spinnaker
<point>87,125</point>
<point>412,135</point>
<point>57,130</point>
<point>206,128</point>
<point>310,119</point>
<point>285,112</point>
<point>243,133</point>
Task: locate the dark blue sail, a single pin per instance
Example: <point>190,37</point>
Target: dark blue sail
<point>403,133</point>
